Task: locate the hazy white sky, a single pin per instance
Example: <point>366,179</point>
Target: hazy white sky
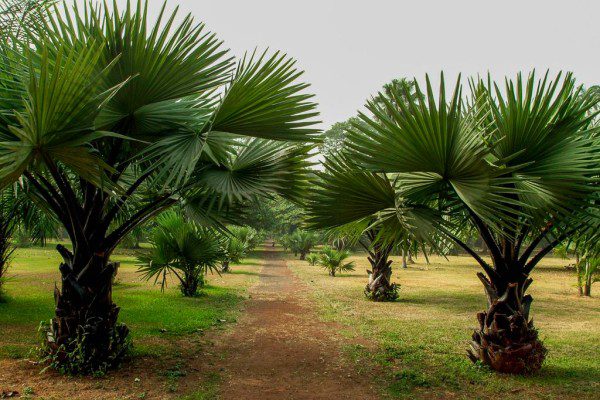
<point>350,48</point>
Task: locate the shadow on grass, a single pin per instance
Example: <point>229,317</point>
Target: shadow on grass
<point>454,302</point>
<point>556,375</point>
<point>250,273</point>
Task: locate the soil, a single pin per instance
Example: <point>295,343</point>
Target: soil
<point>279,349</point>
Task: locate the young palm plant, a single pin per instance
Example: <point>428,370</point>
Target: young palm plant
<point>184,249</point>
<point>301,242</point>
<point>333,260</point>
<point>519,164</point>
<point>112,119</point>
<point>312,258</point>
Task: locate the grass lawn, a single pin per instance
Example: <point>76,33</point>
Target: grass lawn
<point>420,342</point>
<point>159,322</point>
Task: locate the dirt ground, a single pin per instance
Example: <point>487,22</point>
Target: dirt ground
<point>278,350</point>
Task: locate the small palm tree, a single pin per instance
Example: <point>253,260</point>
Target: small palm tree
<point>184,249</point>
<point>333,260</point>
<point>301,242</point>
<point>312,258</point>
<point>588,273</point>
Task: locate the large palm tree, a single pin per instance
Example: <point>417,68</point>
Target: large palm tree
<point>349,198</point>
<point>518,164</point>
<point>113,118</point>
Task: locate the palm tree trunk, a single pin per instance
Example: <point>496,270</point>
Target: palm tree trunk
<point>404,263</point>
<point>190,283</point>
<point>380,287</point>
<point>225,266</point>
<point>84,336</point>
<point>580,278</point>
<point>303,255</point>
<point>506,339</point>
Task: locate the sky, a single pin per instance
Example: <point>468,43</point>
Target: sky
<point>350,48</point>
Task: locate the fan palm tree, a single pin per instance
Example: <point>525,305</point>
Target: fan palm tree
<point>184,249</point>
<point>112,119</point>
<point>348,198</point>
<point>333,260</point>
<point>239,242</point>
<point>518,164</point>
<point>301,242</point>
<point>312,258</point>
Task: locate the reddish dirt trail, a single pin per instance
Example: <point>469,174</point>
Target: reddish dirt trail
<point>280,350</point>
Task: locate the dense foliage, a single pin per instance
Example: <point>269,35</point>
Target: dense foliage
<point>112,118</point>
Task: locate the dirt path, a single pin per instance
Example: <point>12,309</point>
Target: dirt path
<point>280,350</point>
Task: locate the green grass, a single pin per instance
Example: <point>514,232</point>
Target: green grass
<point>34,272</point>
<point>419,342</point>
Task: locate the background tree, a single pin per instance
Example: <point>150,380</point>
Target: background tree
<point>184,249</point>
<point>519,165</point>
<point>120,118</point>
<point>275,216</point>
<point>239,241</point>
<point>302,241</point>
<point>363,191</point>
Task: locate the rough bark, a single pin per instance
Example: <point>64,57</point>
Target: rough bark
<point>84,336</point>
<point>380,287</point>
<point>191,282</point>
<point>507,340</point>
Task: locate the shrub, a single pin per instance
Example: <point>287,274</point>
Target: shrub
<point>333,260</point>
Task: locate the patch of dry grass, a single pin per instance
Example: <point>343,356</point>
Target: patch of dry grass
<point>420,340</point>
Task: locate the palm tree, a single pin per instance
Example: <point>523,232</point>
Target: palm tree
<point>348,198</point>
<point>333,260</point>
<point>301,242</point>
<point>184,249</point>
<point>312,258</point>
<point>113,119</point>
<point>519,165</point>
<point>239,242</point>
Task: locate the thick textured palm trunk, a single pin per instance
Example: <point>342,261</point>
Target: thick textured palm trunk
<point>191,283</point>
<point>380,287</point>
<point>303,255</point>
<point>84,336</point>
<point>506,340</point>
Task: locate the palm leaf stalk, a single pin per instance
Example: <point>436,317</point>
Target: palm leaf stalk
<point>113,119</point>
<point>519,164</point>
